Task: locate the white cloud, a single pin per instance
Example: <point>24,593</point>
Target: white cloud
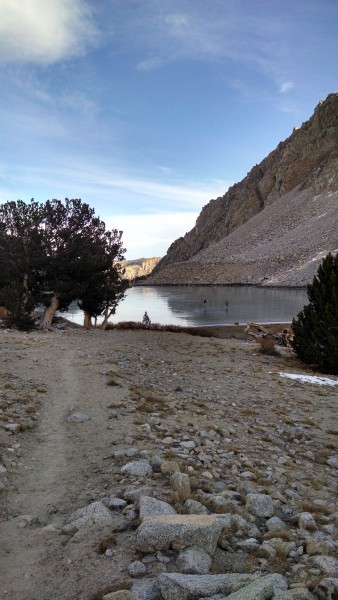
<point>102,183</point>
<point>150,235</point>
<point>40,31</point>
<point>149,64</point>
<point>286,87</point>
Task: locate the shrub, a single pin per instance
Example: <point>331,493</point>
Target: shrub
<point>18,315</point>
<point>316,327</point>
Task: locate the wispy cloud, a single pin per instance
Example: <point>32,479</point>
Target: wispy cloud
<point>36,31</point>
<point>89,181</point>
<point>286,87</point>
<point>151,63</point>
<point>173,31</point>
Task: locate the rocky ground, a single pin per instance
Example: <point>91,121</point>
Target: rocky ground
<point>152,465</point>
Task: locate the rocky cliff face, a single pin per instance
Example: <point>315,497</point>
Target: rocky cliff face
<point>274,227</point>
<point>139,267</point>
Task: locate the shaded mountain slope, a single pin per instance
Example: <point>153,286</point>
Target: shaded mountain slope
<point>274,226</point>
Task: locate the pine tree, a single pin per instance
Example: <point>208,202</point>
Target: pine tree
<point>54,253</point>
<point>316,327</point>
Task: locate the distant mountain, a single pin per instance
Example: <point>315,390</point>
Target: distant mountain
<point>139,267</point>
<point>274,227</point>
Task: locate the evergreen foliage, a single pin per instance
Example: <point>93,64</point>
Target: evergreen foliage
<point>19,315</point>
<point>54,253</point>
<point>316,327</point>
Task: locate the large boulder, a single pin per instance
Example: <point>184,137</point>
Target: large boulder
<point>160,532</point>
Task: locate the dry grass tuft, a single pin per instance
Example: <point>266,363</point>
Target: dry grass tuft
<point>267,345</point>
<point>332,431</point>
<point>133,325</point>
<point>107,542</point>
<point>148,401</point>
<point>311,507</point>
<point>112,382</point>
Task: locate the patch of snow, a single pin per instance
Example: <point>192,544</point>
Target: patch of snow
<point>310,379</point>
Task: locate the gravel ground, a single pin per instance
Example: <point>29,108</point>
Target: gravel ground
<point>78,407</point>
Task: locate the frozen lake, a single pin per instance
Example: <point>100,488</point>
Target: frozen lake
<point>206,305</point>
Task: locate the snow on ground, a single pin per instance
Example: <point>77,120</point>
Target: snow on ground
<point>310,379</point>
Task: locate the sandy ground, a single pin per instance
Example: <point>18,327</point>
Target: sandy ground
<point>54,467</point>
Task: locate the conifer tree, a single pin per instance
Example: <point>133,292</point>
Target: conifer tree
<point>54,253</point>
<point>316,327</point>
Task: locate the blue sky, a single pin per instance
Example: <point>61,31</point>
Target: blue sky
<point>147,109</point>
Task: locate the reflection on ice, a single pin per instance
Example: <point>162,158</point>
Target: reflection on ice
<point>201,305</point>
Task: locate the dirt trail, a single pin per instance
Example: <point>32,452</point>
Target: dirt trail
<point>59,467</point>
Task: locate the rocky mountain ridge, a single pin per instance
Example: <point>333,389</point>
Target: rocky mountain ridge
<point>139,267</point>
<point>274,227</point>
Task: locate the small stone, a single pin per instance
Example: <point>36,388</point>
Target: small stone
<point>193,507</point>
<point>207,474</point>
<point>137,468</point>
<point>261,589</point>
<point>137,569</point>
<point>306,521</point>
<point>219,504</point>
<point>167,441</point>
<point>333,462</point>
<point>77,417</point>
<point>150,507</point>
<point>169,466</point>
<point>327,588</point>
<point>27,520</point>
<point>260,505</point>
<point>277,546</point>
<point>316,546</point>
<point>275,524</point>
<point>13,427</point>
<point>247,475</point>
<point>115,503</point>
<point>194,560</point>
<point>327,564</point>
<point>132,452</point>
<point>134,492</point>
<point>240,522</point>
<point>250,545</point>
<point>189,445</point>
<point>95,513</point>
